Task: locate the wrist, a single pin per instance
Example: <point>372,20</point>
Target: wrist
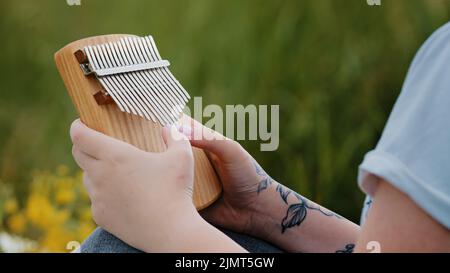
<point>178,213</point>
<point>265,213</point>
<point>167,230</point>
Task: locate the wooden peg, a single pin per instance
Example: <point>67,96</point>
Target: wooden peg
<point>81,56</point>
<point>103,98</point>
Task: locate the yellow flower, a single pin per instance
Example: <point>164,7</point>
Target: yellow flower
<point>60,217</point>
<point>36,206</point>
<point>85,229</point>
<point>41,212</point>
<point>17,223</point>
<point>10,206</point>
<point>86,214</point>
<point>57,211</point>
<point>56,239</point>
<point>64,196</point>
<point>62,170</point>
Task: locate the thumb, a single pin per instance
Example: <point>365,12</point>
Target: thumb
<point>175,141</point>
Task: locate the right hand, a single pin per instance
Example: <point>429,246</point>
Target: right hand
<point>241,177</point>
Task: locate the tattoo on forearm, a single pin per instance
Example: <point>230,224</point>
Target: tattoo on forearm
<point>348,249</point>
<point>266,180</point>
<point>284,193</point>
<point>318,208</point>
<point>264,184</point>
<point>295,215</point>
<point>297,212</point>
<point>259,170</point>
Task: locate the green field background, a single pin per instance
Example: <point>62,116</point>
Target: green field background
<point>334,67</point>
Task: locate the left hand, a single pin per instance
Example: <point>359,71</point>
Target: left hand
<point>135,193</point>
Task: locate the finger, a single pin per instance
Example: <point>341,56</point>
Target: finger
<point>205,138</point>
<point>215,162</point>
<point>85,161</point>
<point>214,159</point>
<point>175,140</point>
<point>94,143</point>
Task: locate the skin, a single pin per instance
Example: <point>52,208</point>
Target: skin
<point>145,199</point>
<point>401,226</point>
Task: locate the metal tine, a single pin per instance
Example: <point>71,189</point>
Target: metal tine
<point>114,80</point>
<point>148,98</point>
<point>182,91</point>
<point>147,113</point>
<point>164,79</point>
<point>109,60</point>
<point>113,54</point>
<point>123,54</point>
<point>140,77</point>
<point>157,72</point>
<point>135,58</point>
<point>131,99</point>
<point>179,104</point>
<point>144,58</point>
<point>169,84</point>
<point>112,86</point>
<point>120,55</point>
<point>92,60</point>
<point>123,61</point>
<point>152,45</point>
<point>131,58</point>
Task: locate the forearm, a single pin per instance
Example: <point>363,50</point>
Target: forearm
<point>296,224</point>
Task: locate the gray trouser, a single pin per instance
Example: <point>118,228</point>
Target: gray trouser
<point>101,241</point>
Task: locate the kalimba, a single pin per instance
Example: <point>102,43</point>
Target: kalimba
<point>122,87</point>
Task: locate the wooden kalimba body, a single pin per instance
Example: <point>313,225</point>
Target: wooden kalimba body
<point>121,87</point>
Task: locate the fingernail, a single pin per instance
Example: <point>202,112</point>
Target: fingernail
<point>185,130</point>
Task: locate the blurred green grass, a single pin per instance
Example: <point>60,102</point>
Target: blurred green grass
<point>334,67</point>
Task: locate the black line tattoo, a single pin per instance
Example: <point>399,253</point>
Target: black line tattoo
<point>348,249</point>
<point>284,193</point>
<point>318,208</point>
<point>295,215</point>
<point>265,182</point>
<point>259,170</point>
<point>297,212</point>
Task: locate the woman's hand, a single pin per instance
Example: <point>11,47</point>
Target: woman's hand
<point>144,198</point>
<point>255,204</point>
<point>242,178</point>
<point>134,192</point>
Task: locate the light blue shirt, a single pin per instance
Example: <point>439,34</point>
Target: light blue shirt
<point>413,153</point>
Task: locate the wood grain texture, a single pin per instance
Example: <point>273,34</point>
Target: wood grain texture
<point>108,119</point>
